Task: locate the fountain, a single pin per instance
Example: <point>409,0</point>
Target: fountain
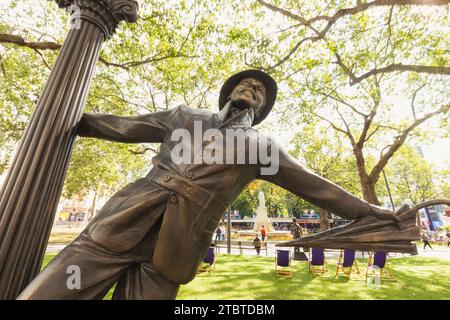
<point>262,219</point>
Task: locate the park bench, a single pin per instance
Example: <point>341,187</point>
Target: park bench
<point>237,244</point>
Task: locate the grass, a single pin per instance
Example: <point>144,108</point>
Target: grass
<point>253,277</point>
<point>65,235</point>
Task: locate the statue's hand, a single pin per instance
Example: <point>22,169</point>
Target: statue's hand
<point>80,127</point>
<point>384,214</point>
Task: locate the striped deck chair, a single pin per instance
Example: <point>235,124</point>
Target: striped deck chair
<point>347,264</point>
<point>379,262</point>
<point>317,261</point>
<point>209,261</point>
<point>283,263</point>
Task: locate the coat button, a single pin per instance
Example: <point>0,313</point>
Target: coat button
<point>166,178</point>
<point>190,191</point>
<point>173,198</point>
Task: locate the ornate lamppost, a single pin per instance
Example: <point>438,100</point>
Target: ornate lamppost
<point>31,191</point>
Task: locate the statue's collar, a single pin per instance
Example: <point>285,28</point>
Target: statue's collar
<point>241,119</point>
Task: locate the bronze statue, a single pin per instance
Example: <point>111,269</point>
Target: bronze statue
<point>152,235</point>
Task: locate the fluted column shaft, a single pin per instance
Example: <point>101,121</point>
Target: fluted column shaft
<point>31,191</point>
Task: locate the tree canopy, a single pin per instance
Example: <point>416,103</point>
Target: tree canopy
<point>358,81</point>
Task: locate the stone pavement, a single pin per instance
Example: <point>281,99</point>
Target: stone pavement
<point>441,252</point>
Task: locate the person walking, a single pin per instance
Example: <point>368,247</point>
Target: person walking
<point>426,241</point>
<point>263,233</point>
<point>218,233</point>
<point>448,236</point>
<point>257,244</point>
<point>296,232</point>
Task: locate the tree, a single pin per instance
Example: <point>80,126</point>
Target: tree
<point>247,202</point>
<point>443,184</point>
<point>349,65</point>
<point>325,155</point>
<point>411,177</point>
<point>325,16</point>
<point>169,57</point>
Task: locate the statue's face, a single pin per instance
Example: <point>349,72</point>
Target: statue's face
<point>249,93</point>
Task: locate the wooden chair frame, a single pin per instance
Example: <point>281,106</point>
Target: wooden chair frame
<point>347,271</point>
<point>284,271</point>
<point>385,272</point>
<point>317,270</point>
<point>206,267</point>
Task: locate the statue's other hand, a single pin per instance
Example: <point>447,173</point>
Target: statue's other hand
<point>384,214</point>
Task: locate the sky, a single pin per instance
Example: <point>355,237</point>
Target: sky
<point>438,153</point>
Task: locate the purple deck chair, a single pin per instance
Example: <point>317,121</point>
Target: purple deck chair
<point>379,259</point>
<point>379,262</point>
<point>209,261</point>
<point>347,263</point>
<point>317,261</point>
<point>283,263</point>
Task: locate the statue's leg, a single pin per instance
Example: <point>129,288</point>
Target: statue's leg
<point>143,282</point>
<point>82,270</point>
<point>123,234</point>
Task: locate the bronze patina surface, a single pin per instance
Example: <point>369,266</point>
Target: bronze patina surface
<point>152,235</point>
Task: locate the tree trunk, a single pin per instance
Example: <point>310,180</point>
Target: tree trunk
<point>367,183</point>
<point>369,193</point>
<point>324,222</point>
<point>92,211</point>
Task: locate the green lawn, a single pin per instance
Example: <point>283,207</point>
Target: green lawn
<point>252,277</point>
<point>63,236</point>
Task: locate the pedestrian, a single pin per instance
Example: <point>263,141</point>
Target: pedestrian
<point>263,233</point>
<point>448,236</point>
<point>218,233</point>
<point>257,244</point>
<point>296,232</point>
<point>222,229</point>
<point>426,240</point>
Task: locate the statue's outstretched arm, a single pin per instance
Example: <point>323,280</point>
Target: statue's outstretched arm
<point>322,192</point>
<point>150,127</point>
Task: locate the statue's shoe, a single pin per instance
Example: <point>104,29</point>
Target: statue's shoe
<point>371,234</point>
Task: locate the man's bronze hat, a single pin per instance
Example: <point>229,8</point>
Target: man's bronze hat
<point>269,83</point>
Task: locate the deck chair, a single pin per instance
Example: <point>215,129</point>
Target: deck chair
<point>379,262</point>
<point>209,261</point>
<point>347,264</point>
<point>317,261</point>
<point>283,263</point>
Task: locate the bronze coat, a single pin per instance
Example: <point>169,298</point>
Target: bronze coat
<point>190,198</point>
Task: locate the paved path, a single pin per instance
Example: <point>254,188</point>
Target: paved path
<point>55,248</point>
<point>437,252</point>
<point>441,252</point>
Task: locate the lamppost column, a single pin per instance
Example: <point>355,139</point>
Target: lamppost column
<point>30,193</point>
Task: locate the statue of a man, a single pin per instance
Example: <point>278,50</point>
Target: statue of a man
<point>151,236</point>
